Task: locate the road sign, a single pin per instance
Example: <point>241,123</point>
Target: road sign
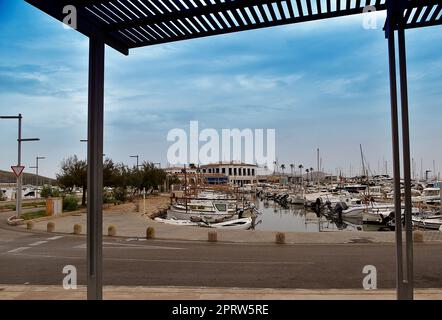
<point>17,170</point>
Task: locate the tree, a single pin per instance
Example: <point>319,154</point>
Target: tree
<point>291,168</point>
<point>73,174</point>
<point>282,168</point>
<point>307,170</point>
<point>311,173</point>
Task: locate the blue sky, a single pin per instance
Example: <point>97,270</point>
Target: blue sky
<point>319,84</point>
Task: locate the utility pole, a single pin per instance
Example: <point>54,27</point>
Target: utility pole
<point>36,173</point>
<point>137,160</point>
<point>19,178</point>
<point>317,173</point>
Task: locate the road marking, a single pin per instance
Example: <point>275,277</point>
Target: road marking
<point>38,243</point>
<point>112,245</point>
<point>18,250</point>
<point>55,238</point>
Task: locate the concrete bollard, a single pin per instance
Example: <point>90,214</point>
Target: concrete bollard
<point>77,228</point>
<point>280,238</point>
<point>50,227</point>
<point>150,233</point>
<point>29,225</point>
<point>111,231</point>
<point>418,236</point>
<point>212,236</point>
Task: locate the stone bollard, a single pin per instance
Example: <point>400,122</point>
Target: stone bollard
<point>77,228</point>
<point>418,236</point>
<point>50,227</point>
<point>150,233</point>
<point>280,238</point>
<point>212,236</point>
<point>29,225</point>
<point>111,231</point>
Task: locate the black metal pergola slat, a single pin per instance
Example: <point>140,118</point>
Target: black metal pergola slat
<point>127,24</point>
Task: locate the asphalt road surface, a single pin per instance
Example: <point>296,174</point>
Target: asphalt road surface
<point>39,258</point>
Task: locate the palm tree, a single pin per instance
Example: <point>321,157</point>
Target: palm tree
<point>282,168</point>
<point>307,170</point>
<point>291,168</point>
<point>311,173</point>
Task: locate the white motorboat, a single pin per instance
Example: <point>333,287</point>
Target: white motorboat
<point>236,224</point>
<point>433,222</point>
<point>204,210</point>
<point>176,222</point>
<point>429,196</point>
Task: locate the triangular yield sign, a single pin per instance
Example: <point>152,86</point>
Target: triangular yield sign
<point>17,170</point>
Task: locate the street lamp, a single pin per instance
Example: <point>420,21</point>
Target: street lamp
<point>19,178</point>
<point>137,156</point>
<point>85,140</point>
<point>36,173</point>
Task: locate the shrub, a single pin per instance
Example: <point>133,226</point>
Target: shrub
<point>46,191</point>
<point>120,194</point>
<point>70,203</point>
<point>50,227</point>
<point>150,233</point>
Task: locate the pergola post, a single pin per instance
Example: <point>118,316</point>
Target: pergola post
<point>95,169</point>
<point>396,162</point>
<point>406,166</point>
<point>395,20</point>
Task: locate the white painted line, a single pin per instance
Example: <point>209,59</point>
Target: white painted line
<point>55,238</point>
<point>38,243</point>
<point>18,250</point>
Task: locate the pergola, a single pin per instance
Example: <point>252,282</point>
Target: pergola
<point>128,24</point>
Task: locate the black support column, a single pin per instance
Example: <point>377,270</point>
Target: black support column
<point>95,169</point>
<point>395,21</point>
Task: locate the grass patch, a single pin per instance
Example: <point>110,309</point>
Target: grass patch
<point>33,204</point>
<point>33,215</point>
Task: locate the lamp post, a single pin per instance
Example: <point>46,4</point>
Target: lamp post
<point>137,156</point>
<point>19,178</point>
<point>36,173</point>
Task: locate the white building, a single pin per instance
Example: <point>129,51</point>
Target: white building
<point>237,173</point>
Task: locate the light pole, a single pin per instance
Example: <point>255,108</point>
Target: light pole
<point>85,140</point>
<point>137,156</point>
<point>36,173</point>
<point>19,178</point>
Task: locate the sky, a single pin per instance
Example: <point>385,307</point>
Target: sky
<point>320,84</point>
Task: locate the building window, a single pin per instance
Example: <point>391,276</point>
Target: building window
<point>223,170</point>
<point>230,171</point>
<point>248,171</point>
<point>234,171</point>
<point>253,172</point>
<point>217,170</point>
<point>239,171</point>
<point>244,172</point>
<point>204,170</point>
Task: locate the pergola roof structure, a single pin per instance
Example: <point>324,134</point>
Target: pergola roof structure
<point>127,24</point>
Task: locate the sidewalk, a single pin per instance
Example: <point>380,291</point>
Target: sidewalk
<point>25,292</point>
<point>132,225</point>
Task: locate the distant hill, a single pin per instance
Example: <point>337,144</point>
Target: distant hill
<point>28,178</point>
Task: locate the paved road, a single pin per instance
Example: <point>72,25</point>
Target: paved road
<point>38,258</point>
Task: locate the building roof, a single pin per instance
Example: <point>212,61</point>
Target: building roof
<point>127,24</point>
